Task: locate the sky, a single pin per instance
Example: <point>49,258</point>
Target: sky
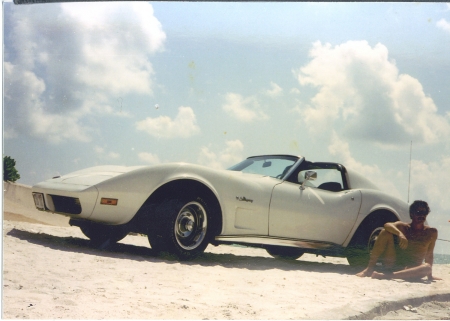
<point>142,83</point>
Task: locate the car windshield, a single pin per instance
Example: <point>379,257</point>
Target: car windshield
<point>274,166</point>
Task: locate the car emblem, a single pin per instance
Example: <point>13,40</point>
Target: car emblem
<point>243,199</point>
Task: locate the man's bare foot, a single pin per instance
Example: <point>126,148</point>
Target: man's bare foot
<point>366,272</point>
<point>381,276</point>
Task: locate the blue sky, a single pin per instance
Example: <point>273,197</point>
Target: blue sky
<point>89,84</point>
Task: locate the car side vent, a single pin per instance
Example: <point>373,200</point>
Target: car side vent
<point>64,204</point>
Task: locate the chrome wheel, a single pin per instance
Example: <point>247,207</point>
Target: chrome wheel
<point>191,225</point>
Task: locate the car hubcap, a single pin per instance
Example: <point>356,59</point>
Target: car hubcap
<point>191,225</point>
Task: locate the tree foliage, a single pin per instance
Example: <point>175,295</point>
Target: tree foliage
<point>10,173</point>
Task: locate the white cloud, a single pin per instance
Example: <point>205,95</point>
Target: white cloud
<point>103,154</point>
<point>116,41</point>
<point>23,90</point>
<point>113,155</point>
<point>295,91</point>
<point>444,25</point>
<point>99,150</point>
<point>149,158</point>
<point>362,95</point>
<point>184,125</point>
<point>243,109</point>
<point>231,155</point>
<point>274,91</point>
<point>101,104</point>
<point>115,74</point>
<point>430,181</point>
<point>70,61</point>
<point>341,151</point>
<point>136,17</point>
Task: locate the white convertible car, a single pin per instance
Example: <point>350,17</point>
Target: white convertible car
<point>282,203</point>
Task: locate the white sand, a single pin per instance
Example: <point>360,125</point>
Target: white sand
<point>433,310</point>
<point>51,272</point>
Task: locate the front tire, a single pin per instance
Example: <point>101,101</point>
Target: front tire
<point>100,234</point>
<point>284,252</point>
<point>181,227</point>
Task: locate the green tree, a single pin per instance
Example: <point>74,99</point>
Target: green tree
<point>10,173</point>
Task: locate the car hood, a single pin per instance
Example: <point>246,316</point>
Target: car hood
<point>94,175</point>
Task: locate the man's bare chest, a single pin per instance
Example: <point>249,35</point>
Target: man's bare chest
<point>419,238</point>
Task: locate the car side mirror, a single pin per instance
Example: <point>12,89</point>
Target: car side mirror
<point>309,176</point>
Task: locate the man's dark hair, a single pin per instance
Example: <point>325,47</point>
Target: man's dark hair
<point>418,204</point>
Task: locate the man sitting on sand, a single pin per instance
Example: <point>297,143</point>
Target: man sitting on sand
<point>404,248</point>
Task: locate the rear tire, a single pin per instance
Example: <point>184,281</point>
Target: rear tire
<point>181,227</point>
<point>284,252</point>
<point>358,252</point>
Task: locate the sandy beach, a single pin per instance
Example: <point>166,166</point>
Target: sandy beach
<point>50,271</point>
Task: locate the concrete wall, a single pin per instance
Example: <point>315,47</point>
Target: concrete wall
<point>17,199</point>
<point>18,193</point>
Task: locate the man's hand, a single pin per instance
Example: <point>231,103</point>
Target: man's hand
<point>403,241</point>
<point>397,230</point>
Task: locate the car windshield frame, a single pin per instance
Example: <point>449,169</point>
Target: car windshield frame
<point>276,166</point>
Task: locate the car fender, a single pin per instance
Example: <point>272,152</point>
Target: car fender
<point>377,201</point>
<point>243,198</point>
<point>132,189</point>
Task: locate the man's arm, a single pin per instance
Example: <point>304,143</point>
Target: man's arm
<point>397,228</point>
<point>429,257</point>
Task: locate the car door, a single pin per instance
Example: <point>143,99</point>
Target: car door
<point>313,213</point>
<point>246,194</point>
<point>245,200</point>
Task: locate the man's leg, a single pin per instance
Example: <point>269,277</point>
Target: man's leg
<point>383,245</point>
<point>416,272</point>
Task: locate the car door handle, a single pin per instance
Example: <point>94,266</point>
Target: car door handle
<point>352,198</point>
